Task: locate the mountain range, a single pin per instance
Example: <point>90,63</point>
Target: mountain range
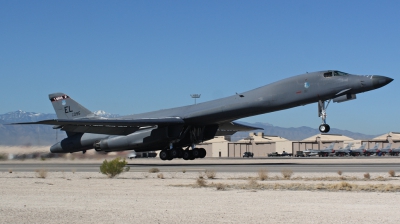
<point>41,135</point>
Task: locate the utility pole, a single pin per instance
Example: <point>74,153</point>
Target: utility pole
<point>195,96</point>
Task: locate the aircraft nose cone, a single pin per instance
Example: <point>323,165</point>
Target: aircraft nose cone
<point>379,81</point>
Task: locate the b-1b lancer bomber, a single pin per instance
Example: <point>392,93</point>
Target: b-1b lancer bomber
<point>171,130</point>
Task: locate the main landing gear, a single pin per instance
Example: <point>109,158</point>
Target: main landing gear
<point>184,154</point>
<point>324,127</point>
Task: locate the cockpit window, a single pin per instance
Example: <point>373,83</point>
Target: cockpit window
<point>328,74</point>
<point>339,73</point>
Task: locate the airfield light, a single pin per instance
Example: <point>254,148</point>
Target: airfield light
<point>195,96</point>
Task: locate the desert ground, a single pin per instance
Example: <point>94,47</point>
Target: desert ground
<point>197,197</point>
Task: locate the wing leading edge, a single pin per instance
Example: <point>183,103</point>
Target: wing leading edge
<point>107,126</point>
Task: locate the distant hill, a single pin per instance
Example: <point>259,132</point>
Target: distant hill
<point>40,135</point>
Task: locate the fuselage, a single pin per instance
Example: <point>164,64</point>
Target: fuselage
<point>287,93</point>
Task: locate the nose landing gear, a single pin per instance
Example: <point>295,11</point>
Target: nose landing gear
<point>324,127</point>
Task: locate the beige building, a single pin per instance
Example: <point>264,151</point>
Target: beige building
<point>259,144</point>
<point>216,147</point>
<point>262,145</point>
<point>384,140</point>
<point>320,141</point>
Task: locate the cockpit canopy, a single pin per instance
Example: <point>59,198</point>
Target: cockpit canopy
<point>334,73</point>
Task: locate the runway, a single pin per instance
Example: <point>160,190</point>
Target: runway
<point>219,165</point>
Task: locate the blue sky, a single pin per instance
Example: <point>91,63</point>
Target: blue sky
<point>130,57</point>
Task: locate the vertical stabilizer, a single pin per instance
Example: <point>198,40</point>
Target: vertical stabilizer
<point>329,147</point>
<point>362,147</point>
<point>67,108</point>
<point>348,147</point>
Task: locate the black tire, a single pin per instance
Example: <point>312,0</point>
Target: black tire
<point>203,152</point>
<point>324,128</point>
<point>196,153</point>
<point>328,128</point>
<point>176,153</point>
<point>164,155</point>
<point>187,154</point>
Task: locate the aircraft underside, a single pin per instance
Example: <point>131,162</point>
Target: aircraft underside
<point>169,139</point>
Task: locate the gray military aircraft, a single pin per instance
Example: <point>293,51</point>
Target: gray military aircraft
<point>372,151</point>
<point>358,152</point>
<point>344,151</point>
<point>170,130</point>
<point>395,152</point>
<point>321,153</point>
<point>386,150</point>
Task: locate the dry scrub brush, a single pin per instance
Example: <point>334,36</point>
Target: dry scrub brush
<point>201,182</point>
<point>263,174</point>
<point>114,167</point>
<point>220,186</point>
<point>392,173</point>
<point>287,173</point>
<point>210,174</point>
<point>3,156</point>
<point>41,173</point>
<point>342,186</point>
<point>154,170</point>
<point>201,175</point>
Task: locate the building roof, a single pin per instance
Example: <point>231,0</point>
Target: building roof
<point>261,138</point>
<point>395,136</point>
<point>216,139</point>
<point>327,138</point>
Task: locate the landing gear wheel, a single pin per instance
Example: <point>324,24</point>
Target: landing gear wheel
<point>176,153</point>
<point>164,155</point>
<point>187,154</point>
<point>196,153</point>
<point>324,128</point>
<point>203,152</point>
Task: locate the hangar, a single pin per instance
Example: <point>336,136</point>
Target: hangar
<point>320,141</point>
<point>384,140</point>
<point>259,144</point>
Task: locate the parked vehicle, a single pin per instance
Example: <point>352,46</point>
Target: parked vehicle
<point>248,155</point>
<point>275,154</point>
<point>300,154</point>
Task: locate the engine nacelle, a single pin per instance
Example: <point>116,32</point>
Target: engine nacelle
<point>76,143</point>
<point>344,98</point>
<point>138,139</point>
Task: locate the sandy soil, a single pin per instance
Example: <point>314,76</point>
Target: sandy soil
<point>144,198</point>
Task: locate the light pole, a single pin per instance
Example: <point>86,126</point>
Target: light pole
<point>195,96</point>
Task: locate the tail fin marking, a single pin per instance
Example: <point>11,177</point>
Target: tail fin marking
<point>67,108</point>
